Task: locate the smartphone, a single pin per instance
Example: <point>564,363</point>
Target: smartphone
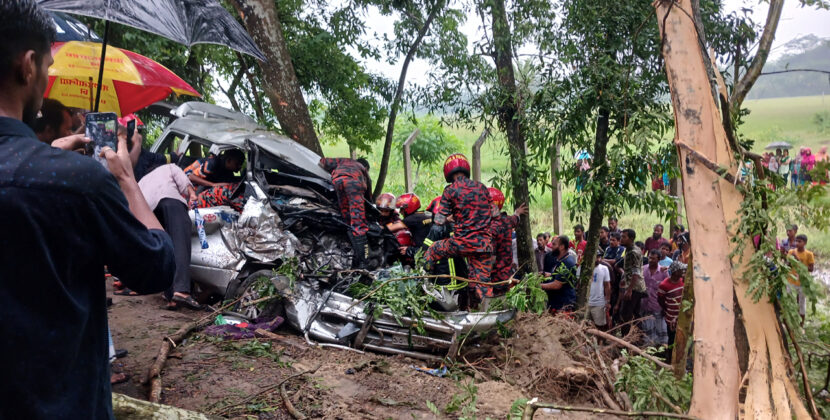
<point>130,132</point>
<point>101,130</point>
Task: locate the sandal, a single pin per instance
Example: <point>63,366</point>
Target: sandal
<point>125,292</point>
<point>188,302</point>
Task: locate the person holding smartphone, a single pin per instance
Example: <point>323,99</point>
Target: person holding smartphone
<point>63,217</point>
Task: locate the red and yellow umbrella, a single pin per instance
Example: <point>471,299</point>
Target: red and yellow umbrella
<point>131,81</point>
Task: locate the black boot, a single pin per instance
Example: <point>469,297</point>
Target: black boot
<point>360,251</point>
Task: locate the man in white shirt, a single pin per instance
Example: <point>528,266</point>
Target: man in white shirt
<point>599,300</point>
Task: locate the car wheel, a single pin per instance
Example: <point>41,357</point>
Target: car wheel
<point>251,293</point>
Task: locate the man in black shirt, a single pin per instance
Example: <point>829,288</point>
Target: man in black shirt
<point>63,218</point>
<point>560,266</point>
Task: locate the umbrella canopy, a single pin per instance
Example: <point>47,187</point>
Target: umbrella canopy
<point>779,145</point>
<point>187,22</point>
<point>67,28</point>
<point>131,81</point>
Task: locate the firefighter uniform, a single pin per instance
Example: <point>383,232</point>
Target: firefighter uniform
<point>351,182</point>
<point>468,202</point>
<point>501,228</point>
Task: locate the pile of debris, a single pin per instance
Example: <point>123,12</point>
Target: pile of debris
<point>558,359</point>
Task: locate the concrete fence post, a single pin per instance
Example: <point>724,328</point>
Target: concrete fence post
<point>556,190</point>
<point>477,154</point>
<point>407,161</point>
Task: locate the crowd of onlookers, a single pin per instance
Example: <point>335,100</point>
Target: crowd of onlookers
<point>796,169</point>
<point>636,282</point>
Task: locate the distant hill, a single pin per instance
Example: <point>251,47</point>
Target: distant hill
<point>806,52</point>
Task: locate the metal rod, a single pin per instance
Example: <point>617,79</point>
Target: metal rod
<point>101,65</point>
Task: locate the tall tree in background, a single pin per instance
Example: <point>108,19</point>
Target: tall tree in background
<point>478,88</point>
<point>281,84</point>
<point>509,108</point>
<point>410,30</point>
<point>603,95</point>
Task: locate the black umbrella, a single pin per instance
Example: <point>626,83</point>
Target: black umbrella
<point>187,22</point>
<point>67,28</point>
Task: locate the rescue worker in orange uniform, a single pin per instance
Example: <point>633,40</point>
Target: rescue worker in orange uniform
<point>353,185</point>
<point>468,202</point>
<point>501,228</point>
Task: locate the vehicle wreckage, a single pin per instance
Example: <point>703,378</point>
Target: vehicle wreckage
<point>291,214</point>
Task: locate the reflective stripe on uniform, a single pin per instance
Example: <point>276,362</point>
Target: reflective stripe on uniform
<point>428,242</point>
<point>451,262</point>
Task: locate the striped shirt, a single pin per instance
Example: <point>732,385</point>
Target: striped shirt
<point>670,295</point>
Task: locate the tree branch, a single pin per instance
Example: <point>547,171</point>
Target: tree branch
<point>793,70</point>
<point>396,102</point>
<point>740,90</point>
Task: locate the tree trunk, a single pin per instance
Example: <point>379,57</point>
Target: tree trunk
<point>509,116</point>
<point>685,321</point>
<point>281,84</point>
<point>597,207</point>
<point>712,205</point>
<point>396,102</point>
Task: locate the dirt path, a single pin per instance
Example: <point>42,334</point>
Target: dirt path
<point>208,375</point>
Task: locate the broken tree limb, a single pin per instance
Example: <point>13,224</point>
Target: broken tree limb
<point>698,123</point>
<point>127,408</point>
<point>713,208</point>
<point>629,346</point>
<point>153,376</point>
<point>808,392</point>
<point>532,405</point>
<point>712,166</point>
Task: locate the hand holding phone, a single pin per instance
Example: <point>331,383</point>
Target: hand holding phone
<point>101,130</point>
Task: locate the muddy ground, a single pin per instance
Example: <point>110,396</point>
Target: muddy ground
<point>224,378</point>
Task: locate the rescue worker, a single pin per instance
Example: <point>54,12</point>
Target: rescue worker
<point>416,221</point>
<point>468,202</point>
<point>352,184</point>
<point>391,221</point>
<point>501,228</point>
<point>216,170</point>
<point>421,224</point>
<point>386,206</point>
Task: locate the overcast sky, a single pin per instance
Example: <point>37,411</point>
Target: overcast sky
<point>795,22</point>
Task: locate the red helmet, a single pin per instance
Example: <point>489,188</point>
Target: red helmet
<point>435,205</point>
<point>408,203</point>
<point>385,201</point>
<point>404,238</point>
<point>454,164</point>
<point>497,196</point>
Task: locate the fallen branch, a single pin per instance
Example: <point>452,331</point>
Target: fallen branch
<point>153,376</point>
<point>533,405</point>
<point>268,389</point>
<point>808,392</point>
<point>127,408</point>
<point>629,346</point>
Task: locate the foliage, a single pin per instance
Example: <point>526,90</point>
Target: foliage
<point>525,296</point>
<point>463,403</point>
<point>517,409</point>
<point>403,298</point>
<point>255,348</point>
<point>431,146</point>
<point>641,381</point>
<point>762,212</point>
<point>822,121</point>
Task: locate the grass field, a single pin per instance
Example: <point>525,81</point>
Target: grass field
<point>782,119</point>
